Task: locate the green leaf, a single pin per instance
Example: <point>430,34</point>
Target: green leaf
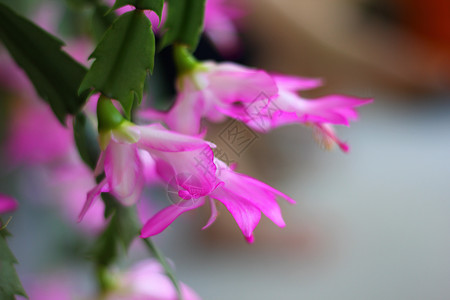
<point>123,58</point>
<point>86,140</point>
<point>184,22</point>
<point>155,5</point>
<point>54,74</point>
<point>101,21</point>
<point>10,284</point>
<point>121,231</point>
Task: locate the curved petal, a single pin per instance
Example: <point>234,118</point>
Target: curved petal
<point>214,214</point>
<point>157,137</point>
<point>247,216</point>
<point>92,195</point>
<point>123,170</point>
<point>186,114</point>
<point>232,82</point>
<point>165,217</point>
<point>193,171</point>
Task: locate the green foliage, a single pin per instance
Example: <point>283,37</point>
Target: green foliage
<point>9,281</point>
<point>184,22</point>
<point>123,227</point>
<point>123,58</point>
<point>155,5</point>
<point>86,140</point>
<point>101,20</point>
<point>54,74</point>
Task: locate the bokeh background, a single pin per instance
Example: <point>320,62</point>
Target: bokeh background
<point>370,224</point>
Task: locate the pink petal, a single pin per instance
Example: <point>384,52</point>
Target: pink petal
<point>156,137</point>
<point>92,195</point>
<point>123,171</point>
<point>296,83</point>
<point>7,204</point>
<point>193,171</point>
<point>185,116</point>
<point>247,216</point>
<point>165,217</point>
<point>214,214</point>
<point>232,82</point>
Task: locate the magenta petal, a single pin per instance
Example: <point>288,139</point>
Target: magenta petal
<point>296,83</point>
<point>214,214</point>
<point>247,216</point>
<point>7,204</point>
<point>92,196</point>
<point>193,171</point>
<point>165,217</point>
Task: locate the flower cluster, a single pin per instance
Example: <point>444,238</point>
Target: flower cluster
<point>170,148</point>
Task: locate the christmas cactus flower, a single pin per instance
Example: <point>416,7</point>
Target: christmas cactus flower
<point>206,89</point>
<point>147,280</point>
<point>123,165</point>
<point>244,197</point>
<point>7,204</point>
<point>288,107</point>
<point>220,16</point>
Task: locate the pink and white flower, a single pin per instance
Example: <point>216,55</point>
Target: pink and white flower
<point>122,161</point>
<point>147,280</point>
<point>244,197</point>
<point>288,107</point>
<point>208,89</point>
<point>7,204</point>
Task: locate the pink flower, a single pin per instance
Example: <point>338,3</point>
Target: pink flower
<point>173,153</point>
<point>244,197</point>
<point>146,280</point>
<point>36,136</point>
<point>208,89</point>
<point>7,204</point>
<point>266,113</point>
<point>220,16</point>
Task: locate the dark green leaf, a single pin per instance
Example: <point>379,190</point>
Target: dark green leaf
<point>54,74</point>
<point>86,140</point>
<point>155,5</point>
<point>9,281</point>
<point>123,58</point>
<point>184,22</point>
<point>117,237</point>
<point>101,21</point>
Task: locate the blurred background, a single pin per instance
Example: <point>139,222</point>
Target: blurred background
<point>370,224</point>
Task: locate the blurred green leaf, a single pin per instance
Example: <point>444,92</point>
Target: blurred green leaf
<point>9,281</point>
<point>123,58</point>
<point>184,22</point>
<point>54,74</point>
<point>85,136</point>
<point>101,21</point>
<point>155,5</point>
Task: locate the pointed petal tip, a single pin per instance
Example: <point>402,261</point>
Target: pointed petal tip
<point>250,239</point>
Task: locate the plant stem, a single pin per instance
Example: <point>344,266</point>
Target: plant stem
<point>169,272</point>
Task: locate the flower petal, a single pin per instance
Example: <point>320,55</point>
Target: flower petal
<point>123,171</point>
<point>92,195</point>
<point>157,137</point>
<point>7,204</point>
<point>165,217</point>
<point>214,214</point>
